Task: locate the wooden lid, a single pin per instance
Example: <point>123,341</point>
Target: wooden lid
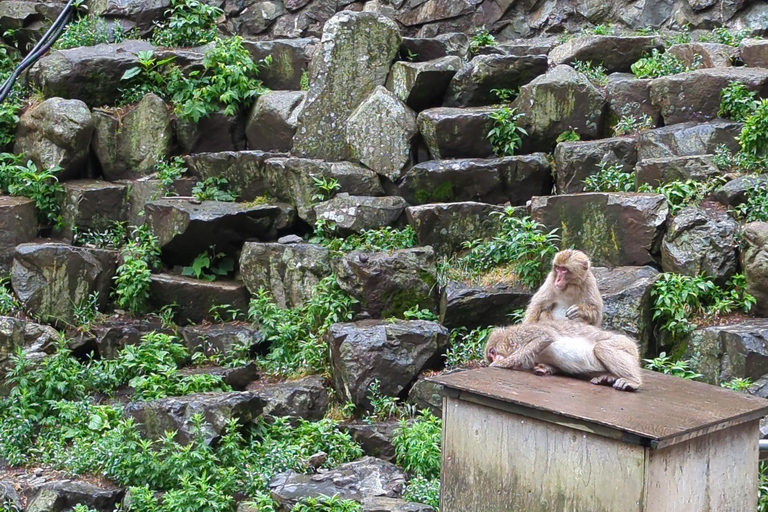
<point>666,410</point>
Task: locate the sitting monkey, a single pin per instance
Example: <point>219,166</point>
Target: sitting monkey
<point>571,347</point>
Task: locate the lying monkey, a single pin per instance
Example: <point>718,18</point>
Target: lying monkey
<point>569,346</point>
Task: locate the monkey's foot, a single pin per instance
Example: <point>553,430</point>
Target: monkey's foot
<point>606,380</point>
<point>543,369</point>
<point>624,385</point>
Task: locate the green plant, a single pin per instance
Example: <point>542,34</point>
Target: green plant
<point>168,171</point>
<point>737,102</point>
<point>630,125</point>
<point>610,179</point>
<point>680,194</point>
<point>9,305</point>
<point>415,313</point>
<point>569,136</point>
<point>213,189</point>
<point>762,490</point>
<point>209,264</point>
<point>741,161</point>
<point>599,30</point>
<point>133,277</point>
<point>167,315</point>
<point>683,36</point>
<point>189,23</point>
<point>466,347</point>
<point>225,313</point>
<point>505,134</point>
<point>326,188</point>
<point>738,384</point>
<point>420,490</point>
<point>506,95</point>
<point>304,81</point>
<point>42,186</point>
<point>417,445</point>
<point>384,407</point>
<point>147,77</point>
<point>480,38</point>
<point>89,31</point>
<point>754,135</point>
<point>724,36</point>
<point>662,64</point>
<point>382,239</point>
<point>664,364</point>
<point>324,503</point>
<point>86,311</point>
<point>595,73</point>
<point>755,208</point>
<point>112,238</point>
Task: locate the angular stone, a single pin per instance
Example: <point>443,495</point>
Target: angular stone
<point>710,55</point>
<point>18,225</point>
<point>457,132</point>
<point>62,494</point>
<point>305,398</point>
<point>354,57</point>
<point>722,353</point>
<point>236,377</point>
<point>366,477</point>
<point>155,417</point>
<point>289,271</point>
<point>560,100</point>
<point>36,340</point>
<point>454,44</point>
<point>290,59</point>
<point>380,133</point>
<point>576,161</point>
<point>273,119</point>
<point>612,228</point>
<point>735,191</point>
<point>142,13</point>
<point>252,17</point>
<point>389,283</point>
<point>245,171</point>
<point>627,301</point>
<point>695,96</point>
<point>446,226</point>
<point>56,132</point>
<point>92,204</point>
<point>755,263</point>
<point>109,335</point>
<point>185,229</point>
<point>426,395</point>
<point>195,297</point>
<point>615,53</point>
<point>657,171</point>
<point>132,144</point>
<point>27,20</point>
<point>631,97</point>
<point>215,132</point>
<point>374,438</point>
<point>50,278</point>
<point>144,190</point>
<point>353,214</point>
<point>688,139</point>
<point>472,84</point>
<point>470,306</point>
<point>754,52</point>
<point>422,85</point>
<point>434,10</point>
<point>392,352</point>
<point>456,180</point>
<point>228,339</point>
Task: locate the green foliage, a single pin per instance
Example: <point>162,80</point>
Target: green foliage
<point>417,445</point>
<point>326,188</point>
<point>742,162</point>
<point>385,407</point>
<point>326,504</point>
<point>189,23</point>
<point>681,37</point>
<point>382,239</point>
<point>148,77</point>
<point>295,335</point>
<point>594,72</point>
<point>480,38</point>
<point>762,490</point>
<point>737,102</point>
<point>738,384</point>
<point>466,347</point>
<point>505,134</point>
<point>112,238</point>
<point>213,189</point>
<point>610,179</point>
<point>753,138</point>
<point>304,81</point>
<point>415,313</point>
<point>569,136</point>
<point>506,95</point>
<point>421,490</point>
<point>209,264</point>
<point>42,186</point>
<point>664,364</point>
<point>9,305</point>
<point>86,311</point>
<point>680,194</point>
<point>167,315</point>
<point>225,313</point>
<point>755,208</point>
<point>168,171</point>
<point>133,277</point>
<point>12,105</point>
<point>662,64</point>
<point>89,31</point>
<point>599,30</point>
<point>677,299</point>
<point>724,36</point>
<point>630,125</point>
<point>521,243</point>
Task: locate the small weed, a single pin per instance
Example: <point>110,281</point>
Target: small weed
<point>738,384</point>
<point>168,171</point>
<point>326,188</point>
<point>42,186</point>
<point>755,208</point>
<point>505,136</point>
<point>417,445</point>
<point>324,503</point>
<point>376,240</point>
<point>680,194</point>
<point>595,73</point>
<point>481,38</point>
<point>737,102</point>
<point>304,81</point>
<point>213,189</point>
<point>9,305</point>
<point>741,161</point>
<point>610,179</point>
<point>599,30</point>
<point>664,364</point>
<point>89,31</point>
<point>419,314</point>
<point>86,311</point>
<point>662,64</point>
<point>208,265</point>
<point>189,23</point>
<point>506,95</point>
<point>385,407</point>
<point>630,125</point>
<point>133,277</point>
<point>681,37</point>
<point>466,347</point>
<point>420,490</point>
<point>569,136</point>
<point>167,315</point>
<point>753,138</point>
<point>724,36</point>
<point>225,313</point>
<point>112,238</point>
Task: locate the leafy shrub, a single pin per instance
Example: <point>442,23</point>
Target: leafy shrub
<point>737,102</point>
<point>112,238</point>
<point>506,95</point>
<point>724,36</point>
<point>753,138</point>
<point>741,161</point>
<point>568,136</point>
<point>505,134</point>
<point>755,208</point>
<point>421,490</point>
<point>599,30</point>
<point>209,264</point>
<point>762,491</point>
<point>630,125</point>
<point>662,64</point>
<point>327,504</point>
<point>466,347</point>
<point>417,445</point>
<point>680,194</point>
<point>42,186</point>
<point>133,277</point>
<point>381,239</point>
<point>610,179</point>
<point>664,364</point>
<point>9,305</point>
<point>213,189</point>
<point>148,77</point>
<point>481,38</point>
<point>10,108</point>
<point>189,23</point>
<point>89,31</point>
<point>738,384</point>
<point>326,188</point>
<point>168,171</point>
<point>385,407</point>
<point>594,72</point>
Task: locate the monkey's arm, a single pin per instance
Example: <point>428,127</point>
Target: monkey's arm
<point>525,356</point>
<point>536,312</point>
<point>589,313</point>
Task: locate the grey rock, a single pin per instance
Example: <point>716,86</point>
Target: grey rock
<point>374,438</point>
<point>352,214</point>
<point>57,132</point>
<point>380,504</point>
<point>245,171</point>
<point>91,205</point>
<point>434,10</point>
<point>688,139</point>
<point>754,52</point>
<point>630,96</point>
<point>195,297</point>
<point>657,171</point>
<point>425,394</point>
<point>392,352</point>
<point>142,13</point>
<point>237,377</point>
<point>710,55</point>
<point>273,120</point>
<point>464,305</point>
<point>722,353</point>
<point>305,398</point>
<point>615,53</point>
<point>290,58</point>
<point>111,334</point>
<point>576,161</point>
<point>457,132</point>
<point>755,263</point>
<point>144,190</point>
<point>735,191</point>
<point>227,339</point>
<point>65,494</point>
<point>454,44</point>
<point>36,340</point>
<point>422,85</point>
<point>215,132</point>
<point>18,225</point>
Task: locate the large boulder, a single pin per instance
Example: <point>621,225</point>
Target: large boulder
<point>51,279</point>
<point>737,191</point>
<point>195,298</point>
<point>612,228</point>
<point>215,132</point>
<point>576,161</point>
<point>348,214</point>
<point>470,306</point>
<point>658,171</point>
<point>473,84</point>
<point>381,132</point>
<point>630,97</point>
<point>354,56</point>
<point>110,334</point>
<point>422,85</point>
<point>457,132</point>
<point>290,60</point>
<point>273,120</point>
<point>615,53</point>
<point>56,132</point>
<point>558,101</point>
<point>92,205</point>
<point>374,438</point>
<point>452,44</point>
<point>695,96</point>
<point>755,263</point>
<point>305,398</point>
<point>140,14</point>
<point>395,353</point>
<point>36,340</point>
<point>725,352</point>
<point>245,171</point>
<point>389,283</point>
<point>130,145</point>
<point>18,225</point>
<point>688,139</point>
<point>66,494</point>
<point>229,339</point>
<point>754,52</point>
<point>289,271</point>
<point>627,303</point>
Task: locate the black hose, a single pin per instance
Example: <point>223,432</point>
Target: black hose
<point>42,46</point>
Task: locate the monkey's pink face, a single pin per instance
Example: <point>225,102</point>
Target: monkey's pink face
<point>562,274</point>
<point>491,356</point>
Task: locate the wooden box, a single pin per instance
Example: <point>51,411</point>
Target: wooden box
<point>514,441</point>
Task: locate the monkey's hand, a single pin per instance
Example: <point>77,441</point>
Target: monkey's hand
<point>573,312</point>
<point>506,362</point>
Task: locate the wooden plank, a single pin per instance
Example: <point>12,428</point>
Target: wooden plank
<point>664,409</point>
<point>495,461</point>
<point>715,473</point>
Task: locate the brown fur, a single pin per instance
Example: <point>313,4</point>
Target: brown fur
<point>569,346</point>
<point>579,300</point>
